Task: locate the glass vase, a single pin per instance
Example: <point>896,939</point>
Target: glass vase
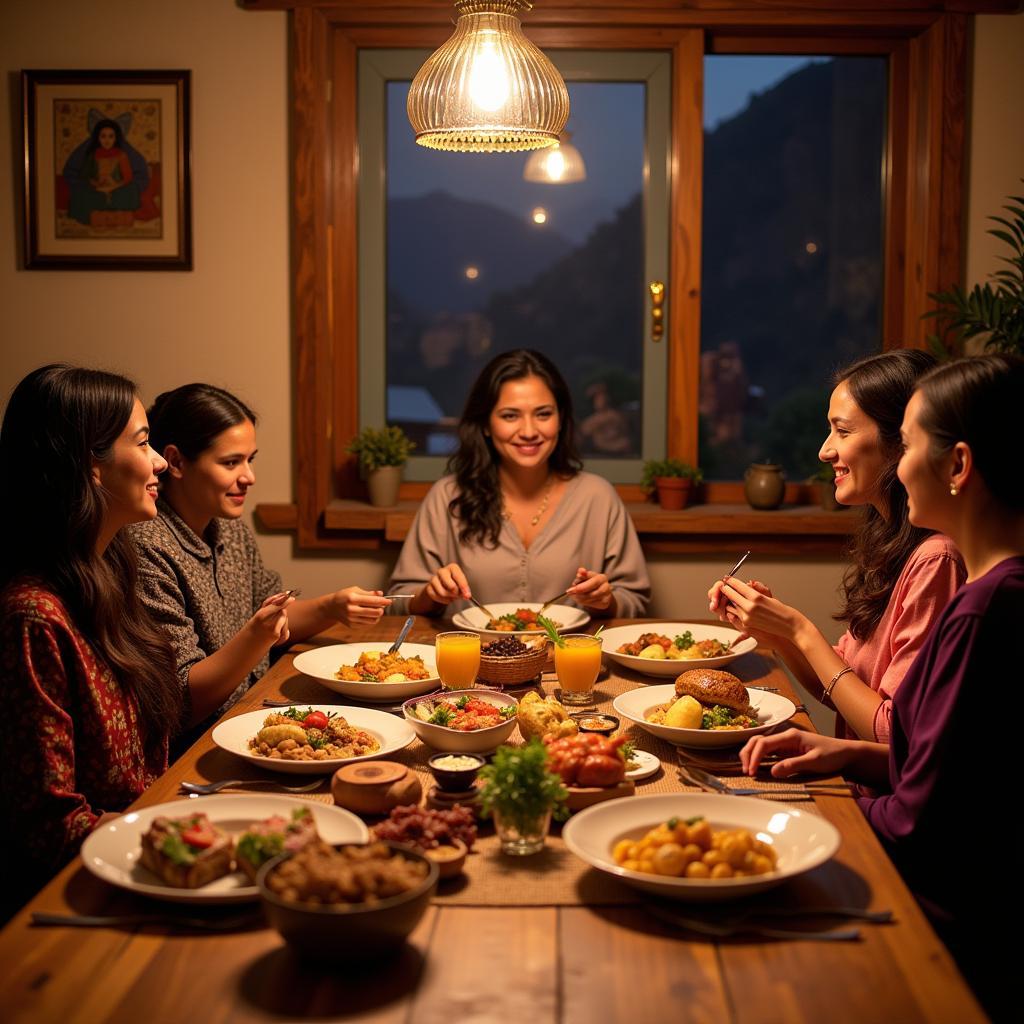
<point>521,838</point>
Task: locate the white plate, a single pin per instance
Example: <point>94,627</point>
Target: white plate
<point>322,662</point>
<point>647,765</point>
<point>802,840</point>
<point>113,852</point>
<point>614,638</point>
<point>566,618</point>
<point>390,731</point>
<point>772,709</point>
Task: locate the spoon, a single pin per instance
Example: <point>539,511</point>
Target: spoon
<point>393,649</point>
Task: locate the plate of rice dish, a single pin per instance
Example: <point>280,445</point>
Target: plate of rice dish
<point>368,673</point>
<point>666,648</point>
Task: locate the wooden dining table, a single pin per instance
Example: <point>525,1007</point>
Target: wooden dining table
<point>578,963</point>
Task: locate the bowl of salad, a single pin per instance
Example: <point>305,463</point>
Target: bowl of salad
<point>463,721</point>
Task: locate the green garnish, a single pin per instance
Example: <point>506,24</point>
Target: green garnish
<point>257,850</point>
<point>551,629</point>
<point>717,717</point>
<point>684,641</point>
<point>520,786</point>
<point>672,823</point>
<point>175,848</point>
<point>316,738</point>
<point>628,751</point>
<point>461,702</point>
<point>695,819</point>
<point>508,712</point>
<point>441,716</point>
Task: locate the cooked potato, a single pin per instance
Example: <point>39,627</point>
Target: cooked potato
<point>655,652</point>
<point>686,713</point>
<point>395,677</point>
<point>274,734</point>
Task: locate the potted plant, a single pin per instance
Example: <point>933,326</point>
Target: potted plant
<point>824,480</point>
<point>382,454</point>
<point>994,311</point>
<point>522,794</point>
<point>673,480</point>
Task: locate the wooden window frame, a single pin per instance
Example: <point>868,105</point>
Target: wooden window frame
<point>924,177</point>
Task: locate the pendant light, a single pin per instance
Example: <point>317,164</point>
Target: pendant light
<point>488,89</point>
<point>562,164</point>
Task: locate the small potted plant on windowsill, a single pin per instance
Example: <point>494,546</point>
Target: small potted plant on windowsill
<point>382,454</point>
<point>673,480</point>
<point>824,481</point>
<point>522,794</point>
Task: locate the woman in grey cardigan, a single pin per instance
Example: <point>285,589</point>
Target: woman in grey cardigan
<point>516,519</point>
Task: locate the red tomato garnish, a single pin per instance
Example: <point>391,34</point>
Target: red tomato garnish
<point>199,836</point>
<point>315,720</point>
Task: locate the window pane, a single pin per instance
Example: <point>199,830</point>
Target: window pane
<point>481,260</point>
<point>792,237</point>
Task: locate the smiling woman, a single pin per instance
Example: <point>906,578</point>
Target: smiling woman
<point>516,517</point>
<point>202,575</point>
<point>88,679</point>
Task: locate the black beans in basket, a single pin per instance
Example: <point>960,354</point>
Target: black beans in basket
<point>505,647</point>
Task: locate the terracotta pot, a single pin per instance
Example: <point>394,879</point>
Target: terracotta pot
<point>764,485</point>
<point>383,485</point>
<point>375,787</point>
<point>673,491</point>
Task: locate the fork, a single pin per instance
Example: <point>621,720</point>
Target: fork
<point>211,924</point>
<point>725,931</point>
<point>206,788</point>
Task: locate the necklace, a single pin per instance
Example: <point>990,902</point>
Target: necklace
<point>536,517</point>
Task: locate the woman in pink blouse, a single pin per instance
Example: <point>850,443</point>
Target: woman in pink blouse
<point>901,578</point>
<point>89,683</point>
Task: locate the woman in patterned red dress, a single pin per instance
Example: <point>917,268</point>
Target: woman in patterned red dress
<point>89,685</point>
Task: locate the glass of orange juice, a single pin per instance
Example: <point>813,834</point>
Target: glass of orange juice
<point>577,662</point>
<point>458,659</point>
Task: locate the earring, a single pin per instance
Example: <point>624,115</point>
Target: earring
<point>954,490</point>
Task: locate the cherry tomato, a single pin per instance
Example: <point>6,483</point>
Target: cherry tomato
<point>200,836</point>
<point>315,720</point>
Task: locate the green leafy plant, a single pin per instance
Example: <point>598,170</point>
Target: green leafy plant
<point>653,468</point>
<point>519,785</point>
<point>377,448</point>
<point>994,310</point>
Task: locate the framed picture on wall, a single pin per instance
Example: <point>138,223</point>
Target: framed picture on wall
<point>107,170</point>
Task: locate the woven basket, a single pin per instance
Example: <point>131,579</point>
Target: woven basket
<point>508,671</point>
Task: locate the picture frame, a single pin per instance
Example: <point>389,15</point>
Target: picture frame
<point>107,165</point>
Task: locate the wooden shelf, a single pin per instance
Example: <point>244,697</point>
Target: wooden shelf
<point>792,530</point>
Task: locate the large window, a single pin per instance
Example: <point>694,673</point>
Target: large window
<point>792,228</point>
<point>462,256</point>
<point>778,240</point>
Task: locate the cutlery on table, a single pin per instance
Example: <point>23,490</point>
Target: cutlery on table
<point>206,788</point>
<point>736,568</point>
<point>742,927</point>
<point>210,924</point>
<point>555,600</point>
<point>403,633</point>
<point>710,784</point>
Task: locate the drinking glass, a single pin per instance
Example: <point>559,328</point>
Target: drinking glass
<point>577,662</point>
<point>458,659</point>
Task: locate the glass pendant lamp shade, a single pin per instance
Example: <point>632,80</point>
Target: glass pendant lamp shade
<point>562,164</point>
<point>488,89</point>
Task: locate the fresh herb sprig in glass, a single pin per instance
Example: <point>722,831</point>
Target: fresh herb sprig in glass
<point>521,787</point>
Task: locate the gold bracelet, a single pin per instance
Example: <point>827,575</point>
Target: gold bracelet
<point>826,697</point>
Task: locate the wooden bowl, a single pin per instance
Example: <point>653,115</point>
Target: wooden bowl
<point>375,787</point>
<point>586,796</point>
<point>513,670</point>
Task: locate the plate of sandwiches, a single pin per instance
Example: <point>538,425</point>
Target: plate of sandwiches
<point>704,708</point>
<point>208,849</point>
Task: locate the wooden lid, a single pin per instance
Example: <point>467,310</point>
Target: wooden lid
<point>372,773</point>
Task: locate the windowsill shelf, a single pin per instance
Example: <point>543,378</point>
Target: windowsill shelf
<point>793,529</point>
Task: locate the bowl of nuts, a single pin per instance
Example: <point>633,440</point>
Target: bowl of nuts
<point>509,661</point>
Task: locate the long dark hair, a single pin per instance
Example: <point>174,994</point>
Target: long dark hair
<point>191,417</point>
<point>94,135</point>
<point>976,400</point>
<point>477,502</point>
<point>59,420</point>
<point>881,386</point>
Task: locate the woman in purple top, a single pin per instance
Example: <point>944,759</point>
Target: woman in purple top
<point>942,814</point>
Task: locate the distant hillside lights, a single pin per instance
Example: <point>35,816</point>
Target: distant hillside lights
<point>471,272</point>
<point>811,247</point>
<point>539,215</point>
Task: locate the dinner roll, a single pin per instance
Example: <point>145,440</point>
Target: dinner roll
<point>711,687</point>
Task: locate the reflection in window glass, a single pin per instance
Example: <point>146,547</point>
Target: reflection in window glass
<point>480,260</point>
<point>792,236</point>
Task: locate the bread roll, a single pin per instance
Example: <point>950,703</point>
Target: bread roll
<point>712,687</point>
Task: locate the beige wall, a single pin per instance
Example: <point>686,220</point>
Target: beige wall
<point>228,321</point>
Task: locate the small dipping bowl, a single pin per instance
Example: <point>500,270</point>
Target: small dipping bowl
<point>455,773</point>
<point>595,721</point>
